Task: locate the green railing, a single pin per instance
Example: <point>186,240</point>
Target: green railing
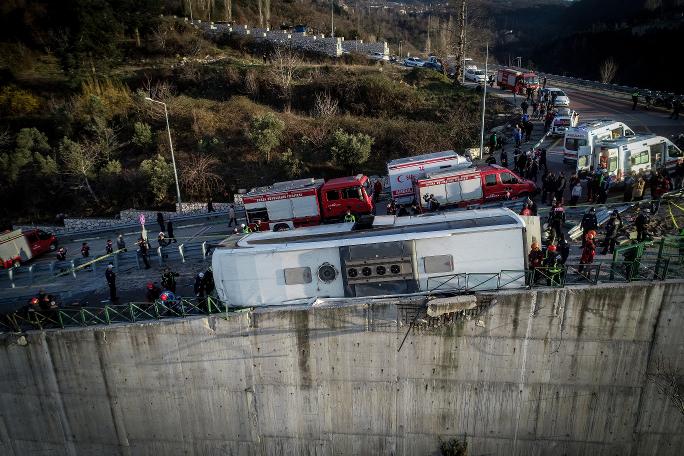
<point>110,314</point>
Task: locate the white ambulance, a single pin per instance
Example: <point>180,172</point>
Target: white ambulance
<point>579,141</point>
<point>636,154</point>
<point>403,172</point>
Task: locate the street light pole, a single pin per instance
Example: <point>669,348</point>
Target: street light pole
<point>519,62</point>
<point>332,18</point>
<point>173,158</point>
<point>190,3</point>
<point>484,103</point>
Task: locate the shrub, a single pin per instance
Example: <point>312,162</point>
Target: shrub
<point>142,135</point>
<point>266,132</point>
<point>17,102</point>
<point>350,150</point>
<point>159,174</point>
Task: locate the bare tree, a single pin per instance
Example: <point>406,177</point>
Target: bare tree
<point>199,177</point>
<point>261,14</point>
<point>608,70</point>
<point>81,160</point>
<point>325,106</point>
<point>668,381</point>
<point>251,83</point>
<point>160,35</point>
<point>267,12</point>
<point>284,65</point>
<point>228,10</point>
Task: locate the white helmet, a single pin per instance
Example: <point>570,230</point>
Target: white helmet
<point>201,275</point>
<point>242,225</point>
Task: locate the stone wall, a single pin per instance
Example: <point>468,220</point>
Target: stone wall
<point>552,372</point>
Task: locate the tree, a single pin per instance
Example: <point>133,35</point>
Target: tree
<point>30,156</point>
<point>159,174</point>
<point>284,65</point>
<point>460,50</point>
<point>17,102</point>
<point>350,150</point>
<point>291,164</point>
<point>142,135</point>
<point>266,132</point>
<point>81,161</point>
<point>608,70</point>
<point>199,178</point>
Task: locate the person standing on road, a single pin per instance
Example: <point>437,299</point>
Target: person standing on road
<point>109,247</point>
<point>560,186</point>
<point>120,243</point>
<point>544,82</point>
<point>546,185</point>
<point>676,108</point>
<point>557,216</point>
<point>210,206</point>
<point>199,286</point>
<point>110,275</point>
<point>612,228</point>
<point>638,188</point>
<point>575,194</point>
<point>152,293</point>
<point>641,224</point>
<point>492,142</point>
<point>209,281</point>
<point>524,106</point>
<point>85,250</point>
<point>535,109</point>
<point>168,280</point>
<point>588,223</point>
<point>169,231</point>
<point>143,249</point>
<point>627,189</point>
<point>635,99</point>
<point>349,217</point>
<point>231,216</point>
<point>160,221</point>
<point>588,251</point>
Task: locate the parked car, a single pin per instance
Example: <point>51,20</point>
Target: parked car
<point>561,98</point>
<point>378,56</point>
<point>433,66</point>
<point>414,62</point>
<point>475,75</point>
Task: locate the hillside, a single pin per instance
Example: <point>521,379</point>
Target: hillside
<point>77,135</point>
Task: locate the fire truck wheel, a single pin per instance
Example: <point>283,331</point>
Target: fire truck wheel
<point>53,246</point>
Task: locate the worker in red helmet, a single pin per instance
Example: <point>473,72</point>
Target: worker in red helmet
<point>535,259</point>
<point>588,251</point>
<point>552,265</point>
<point>152,292</point>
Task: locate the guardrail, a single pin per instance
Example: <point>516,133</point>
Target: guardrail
<point>24,320</point>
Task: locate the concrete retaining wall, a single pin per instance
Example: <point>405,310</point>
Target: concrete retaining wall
<point>558,372</point>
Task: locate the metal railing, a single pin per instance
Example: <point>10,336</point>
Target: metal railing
<point>23,320</point>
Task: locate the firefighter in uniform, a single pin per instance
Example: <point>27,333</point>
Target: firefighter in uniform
<point>552,265</point>
<point>349,217</point>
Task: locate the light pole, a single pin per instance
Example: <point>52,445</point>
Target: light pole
<point>484,101</point>
<point>332,18</point>
<point>190,3</point>
<point>519,62</point>
<point>173,158</point>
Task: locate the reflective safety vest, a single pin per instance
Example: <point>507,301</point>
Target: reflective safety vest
<point>247,229</point>
<point>349,218</point>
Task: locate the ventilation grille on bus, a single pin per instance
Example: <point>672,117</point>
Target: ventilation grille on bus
<point>378,270</point>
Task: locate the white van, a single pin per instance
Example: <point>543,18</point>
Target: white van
<point>580,140</point>
<point>636,154</point>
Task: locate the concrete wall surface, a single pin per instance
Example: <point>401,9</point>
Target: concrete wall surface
<point>553,372</point>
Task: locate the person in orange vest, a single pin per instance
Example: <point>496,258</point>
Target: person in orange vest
<point>588,251</point>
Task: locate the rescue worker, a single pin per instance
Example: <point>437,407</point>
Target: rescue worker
<point>504,159</point>
<point>547,185</point>
<point>526,210</point>
<point>588,251</point>
<point>152,293</point>
<point>556,219</point>
<point>641,224</point>
<point>160,221</point>
<point>349,217</point>
<point>612,227</point>
<point>532,205</point>
<point>121,243</point>
<point>630,258</point>
<point>552,266</point>
<point>676,108</point>
<point>245,228</point>
<point>575,194</point>
<point>169,232</point>
<point>563,250</point>
<point>85,250</point>
<point>377,190</point>
<point>535,259</point>
<point>492,142</point>
<point>209,281</point>
<point>168,280</point>
<point>161,239</point>
<point>491,160</point>
<point>199,286</point>
<point>143,250</point>
<point>109,247</point>
<point>110,275</point>
<point>661,187</point>
<point>635,99</point>
<point>560,186</point>
<point>588,223</point>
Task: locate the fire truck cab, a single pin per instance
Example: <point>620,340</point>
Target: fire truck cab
<point>516,81</point>
<point>306,202</point>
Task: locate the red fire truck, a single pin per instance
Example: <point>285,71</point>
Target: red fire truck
<point>305,202</point>
<point>17,247</point>
<point>471,186</point>
<point>516,81</point>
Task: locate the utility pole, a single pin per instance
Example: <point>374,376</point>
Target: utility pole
<point>173,158</point>
<point>484,104</point>
<point>332,18</point>
<point>190,4</point>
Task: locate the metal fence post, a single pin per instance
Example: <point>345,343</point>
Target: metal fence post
<point>30,270</point>
<point>137,260</point>
<point>73,268</point>
<point>204,250</point>
<point>181,250</point>
<point>116,263</point>
<point>10,274</point>
<point>159,253</point>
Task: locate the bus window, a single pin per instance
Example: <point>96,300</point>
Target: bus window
<point>616,133</point>
<point>640,158</point>
<point>583,162</point>
<point>628,133</point>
